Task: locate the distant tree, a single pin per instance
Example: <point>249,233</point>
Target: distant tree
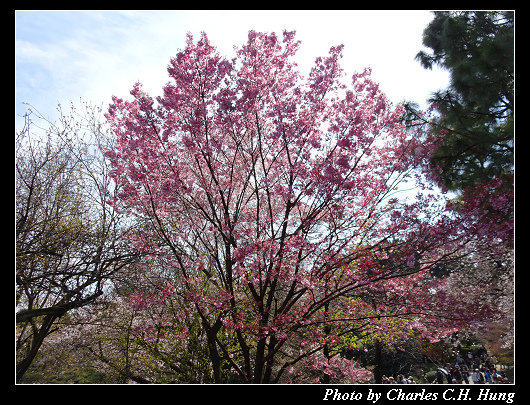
<point>67,235</point>
<point>489,281</point>
<point>477,48</point>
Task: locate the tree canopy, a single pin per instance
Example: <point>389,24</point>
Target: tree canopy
<point>477,109</point>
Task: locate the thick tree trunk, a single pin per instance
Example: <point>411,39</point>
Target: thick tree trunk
<point>36,343</point>
<point>215,358</point>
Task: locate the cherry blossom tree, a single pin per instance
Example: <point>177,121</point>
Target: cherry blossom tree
<point>276,202</point>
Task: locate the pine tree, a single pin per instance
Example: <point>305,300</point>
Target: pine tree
<point>477,107</point>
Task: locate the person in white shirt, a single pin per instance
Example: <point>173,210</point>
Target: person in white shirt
<point>475,376</point>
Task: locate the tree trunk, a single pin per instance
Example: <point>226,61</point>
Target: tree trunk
<point>377,369</point>
<point>36,343</point>
<point>211,335</point>
<point>327,331</point>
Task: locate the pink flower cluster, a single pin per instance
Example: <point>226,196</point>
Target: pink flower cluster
<point>143,299</point>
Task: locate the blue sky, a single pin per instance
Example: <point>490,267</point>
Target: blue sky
<point>62,56</point>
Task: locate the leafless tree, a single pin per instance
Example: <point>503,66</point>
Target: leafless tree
<point>69,240</point>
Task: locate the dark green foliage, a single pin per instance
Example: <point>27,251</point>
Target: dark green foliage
<point>477,108</point>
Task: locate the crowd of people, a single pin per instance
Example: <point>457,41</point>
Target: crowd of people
<point>461,375</point>
<point>474,368</point>
<point>400,380</point>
